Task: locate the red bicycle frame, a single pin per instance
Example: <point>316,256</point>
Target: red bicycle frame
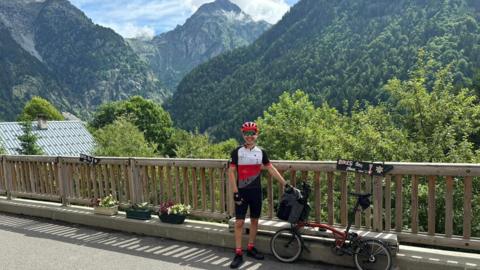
<point>339,236</point>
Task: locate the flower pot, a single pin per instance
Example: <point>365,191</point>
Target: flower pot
<point>172,218</point>
<point>142,214</point>
<point>107,211</point>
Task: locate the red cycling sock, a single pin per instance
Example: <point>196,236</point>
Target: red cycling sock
<point>250,246</point>
<point>239,251</point>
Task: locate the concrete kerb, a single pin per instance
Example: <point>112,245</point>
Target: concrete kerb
<point>272,226</point>
<point>219,235</point>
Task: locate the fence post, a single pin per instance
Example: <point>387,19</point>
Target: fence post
<point>7,172</point>
<point>133,181</point>
<point>467,207</point>
<point>62,181</point>
<point>229,197</point>
<point>378,204</point>
<point>4,174</point>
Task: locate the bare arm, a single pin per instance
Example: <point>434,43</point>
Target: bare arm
<point>274,172</point>
<point>232,179</point>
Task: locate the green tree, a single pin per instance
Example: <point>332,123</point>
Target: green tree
<point>195,145</point>
<point>285,129</point>
<point>122,139</point>
<point>39,106</point>
<point>294,129</point>
<point>28,140</point>
<point>2,149</point>
<point>371,134</point>
<point>440,121</point>
<point>148,116</point>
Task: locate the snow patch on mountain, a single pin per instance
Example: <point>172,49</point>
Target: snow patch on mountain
<point>233,16</point>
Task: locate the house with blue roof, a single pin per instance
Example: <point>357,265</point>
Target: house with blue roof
<point>56,138</point>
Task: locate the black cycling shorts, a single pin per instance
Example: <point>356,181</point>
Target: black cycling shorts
<point>251,198</point>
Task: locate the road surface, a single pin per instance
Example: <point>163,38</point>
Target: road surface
<point>33,243</point>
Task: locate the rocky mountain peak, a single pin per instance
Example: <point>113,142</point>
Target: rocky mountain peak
<point>219,5</point>
<point>215,28</point>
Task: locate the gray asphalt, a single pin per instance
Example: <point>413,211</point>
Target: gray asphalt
<point>34,243</point>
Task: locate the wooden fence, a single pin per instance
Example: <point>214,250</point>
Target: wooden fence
<point>421,202</point>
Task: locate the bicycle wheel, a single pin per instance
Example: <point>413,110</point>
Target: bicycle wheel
<point>372,255</point>
<point>286,246</point>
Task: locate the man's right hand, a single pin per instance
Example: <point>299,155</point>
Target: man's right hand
<point>288,188</point>
<point>236,197</point>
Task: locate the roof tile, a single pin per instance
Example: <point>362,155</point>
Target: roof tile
<point>61,138</point>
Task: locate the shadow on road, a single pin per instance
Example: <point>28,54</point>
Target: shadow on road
<point>185,254</point>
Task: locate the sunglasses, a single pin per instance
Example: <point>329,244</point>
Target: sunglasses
<point>249,133</point>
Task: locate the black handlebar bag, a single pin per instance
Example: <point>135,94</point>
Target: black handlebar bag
<point>293,207</point>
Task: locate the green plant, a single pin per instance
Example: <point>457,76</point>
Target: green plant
<point>140,211</point>
<point>138,206</point>
<point>122,138</point>
<point>175,209</point>
<point>153,122</point>
<point>107,201</point>
<point>2,149</point>
<point>39,106</point>
<point>28,140</point>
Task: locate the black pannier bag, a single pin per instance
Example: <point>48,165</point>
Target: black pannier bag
<point>284,210</point>
<point>305,212</point>
<point>293,207</point>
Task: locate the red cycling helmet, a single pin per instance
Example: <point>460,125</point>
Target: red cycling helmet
<point>247,126</point>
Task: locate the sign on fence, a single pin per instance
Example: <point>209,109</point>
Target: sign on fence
<point>89,159</point>
<point>369,168</point>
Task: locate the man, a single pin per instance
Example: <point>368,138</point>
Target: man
<point>247,161</point>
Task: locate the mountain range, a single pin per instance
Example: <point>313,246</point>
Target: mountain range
<point>214,28</point>
<point>339,52</point>
<point>52,49</point>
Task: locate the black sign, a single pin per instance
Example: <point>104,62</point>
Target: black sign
<point>369,168</point>
<point>89,159</point>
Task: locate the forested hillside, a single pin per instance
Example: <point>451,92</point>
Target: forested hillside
<point>335,51</point>
<point>51,49</point>
<point>22,76</point>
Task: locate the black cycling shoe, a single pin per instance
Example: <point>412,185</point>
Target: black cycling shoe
<point>237,261</point>
<point>254,253</point>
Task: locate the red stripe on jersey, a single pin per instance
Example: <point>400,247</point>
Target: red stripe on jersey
<point>245,171</point>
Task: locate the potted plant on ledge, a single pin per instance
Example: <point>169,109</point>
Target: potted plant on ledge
<point>106,206</point>
<point>138,211</point>
<point>170,212</point>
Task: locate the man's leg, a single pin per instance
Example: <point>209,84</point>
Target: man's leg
<point>240,211</point>
<point>238,233</point>
<point>253,230</point>
<point>255,212</point>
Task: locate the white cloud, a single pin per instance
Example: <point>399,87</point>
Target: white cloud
<point>139,17</point>
<point>268,10</point>
<point>130,30</point>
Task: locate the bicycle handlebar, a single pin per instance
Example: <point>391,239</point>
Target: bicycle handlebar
<point>360,194</point>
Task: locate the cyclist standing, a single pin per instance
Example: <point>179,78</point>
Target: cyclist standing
<point>247,161</point>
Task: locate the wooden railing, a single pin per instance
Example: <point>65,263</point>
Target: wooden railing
<point>421,202</point>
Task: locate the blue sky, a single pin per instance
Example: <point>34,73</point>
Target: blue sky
<point>136,18</point>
